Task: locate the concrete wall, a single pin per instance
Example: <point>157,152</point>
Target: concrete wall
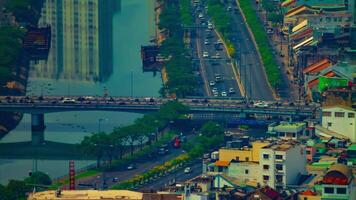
<point>342,125</point>
<point>244,171</point>
<point>295,162</point>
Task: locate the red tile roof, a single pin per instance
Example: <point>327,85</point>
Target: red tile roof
<point>318,66</point>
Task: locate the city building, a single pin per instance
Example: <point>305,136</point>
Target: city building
<point>282,163</point>
<point>81,40</point>
<point>289,130</point>
<point>340,121</point>
<point>337,183</point>
<point>101,194</point>
<point>243,154</point>
<point>265,193</point>
<point>86,194</point>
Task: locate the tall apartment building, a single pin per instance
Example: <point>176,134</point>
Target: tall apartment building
<point>81,39</point>
<point>282,163</point>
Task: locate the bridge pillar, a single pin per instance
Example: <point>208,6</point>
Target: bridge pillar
<point>37,129</point>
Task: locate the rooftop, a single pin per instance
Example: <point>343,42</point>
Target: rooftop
<point>282,145</point>
<point>87,194</point>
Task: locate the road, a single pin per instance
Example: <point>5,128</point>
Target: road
<point>251,69</point>
<point>142,166</point>
<point>215,63</point>
<point>177,177</point>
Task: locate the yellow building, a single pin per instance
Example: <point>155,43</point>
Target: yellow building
<point>242,154</point>
<point>86,194</point>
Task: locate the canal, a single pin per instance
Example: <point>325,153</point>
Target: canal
<point>95,49</point>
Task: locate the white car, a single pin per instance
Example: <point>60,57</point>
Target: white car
<point>187,170</point>
<point>210,26</point>
<point>231,90</point>
<point>260,104</point>
<point>214,90</point>
<point>223,94</point>
<point>201,16</point>
<point>206,42</point>
<point>212,83</point>
<point>68,100</point>
<point>205,54</point>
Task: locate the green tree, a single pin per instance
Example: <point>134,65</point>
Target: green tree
<point>96,144</point>
<point>18,189</point>
<point>38,178</point>
<point>211,129</point>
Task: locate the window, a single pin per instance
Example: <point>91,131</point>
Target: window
<point>293,135</point>
<point>305,198</point>
<point>341,190</point>
<point>265,178</point>
<point>279,157</point>
<point>237,158</point>
<point>308,152</point>
<point>326,114</point>
<point>351,115</point>
<point>330,124</point>
<point>265,166</point>
<point>279,167</point>
<point>329,190</point>
<point>246,171</point>
<point>282,134</point>
<point>247,159</point>
<point>265,156</point>
<point>339,114</point>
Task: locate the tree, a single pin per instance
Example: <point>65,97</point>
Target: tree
<point>212,129</point>
<point>132,133</point>
<point>18,189</point>
<point>118,139</point>
<point>96,144</point>
<point>38,178</point>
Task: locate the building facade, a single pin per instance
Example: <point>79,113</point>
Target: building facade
<point>340,119</point>
<point>281,164</point>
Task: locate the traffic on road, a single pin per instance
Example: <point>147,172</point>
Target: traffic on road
<point>215,66</point>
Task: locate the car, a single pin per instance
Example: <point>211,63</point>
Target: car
<point>214,90</point>
<point>205,54</point>
<point>223,94</point>
<point>195,101</point>
<point>206,42</point>
<point>216,94</point>
<point>270,31</point>
<point>68,100</point>
<point>115,179</point>
<point>231,90</point>
<point>217,77</point>
<point>187,170</point>
<point>216,56</point>
<point>229,8</point>
<point>201,16</point>
<point>210,26</point>
<point>131,167</point>
<point>260,104</point>
<point>212,83</point>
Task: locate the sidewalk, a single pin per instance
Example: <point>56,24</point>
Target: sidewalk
<point>280,47</point>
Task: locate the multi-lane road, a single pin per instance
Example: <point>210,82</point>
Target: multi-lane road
<point>253,78</point>
<point>215,66</point>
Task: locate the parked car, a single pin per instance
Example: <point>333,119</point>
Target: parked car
<point>231,90</point>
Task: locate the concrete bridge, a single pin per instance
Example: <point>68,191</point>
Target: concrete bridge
<point>200,108</point>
